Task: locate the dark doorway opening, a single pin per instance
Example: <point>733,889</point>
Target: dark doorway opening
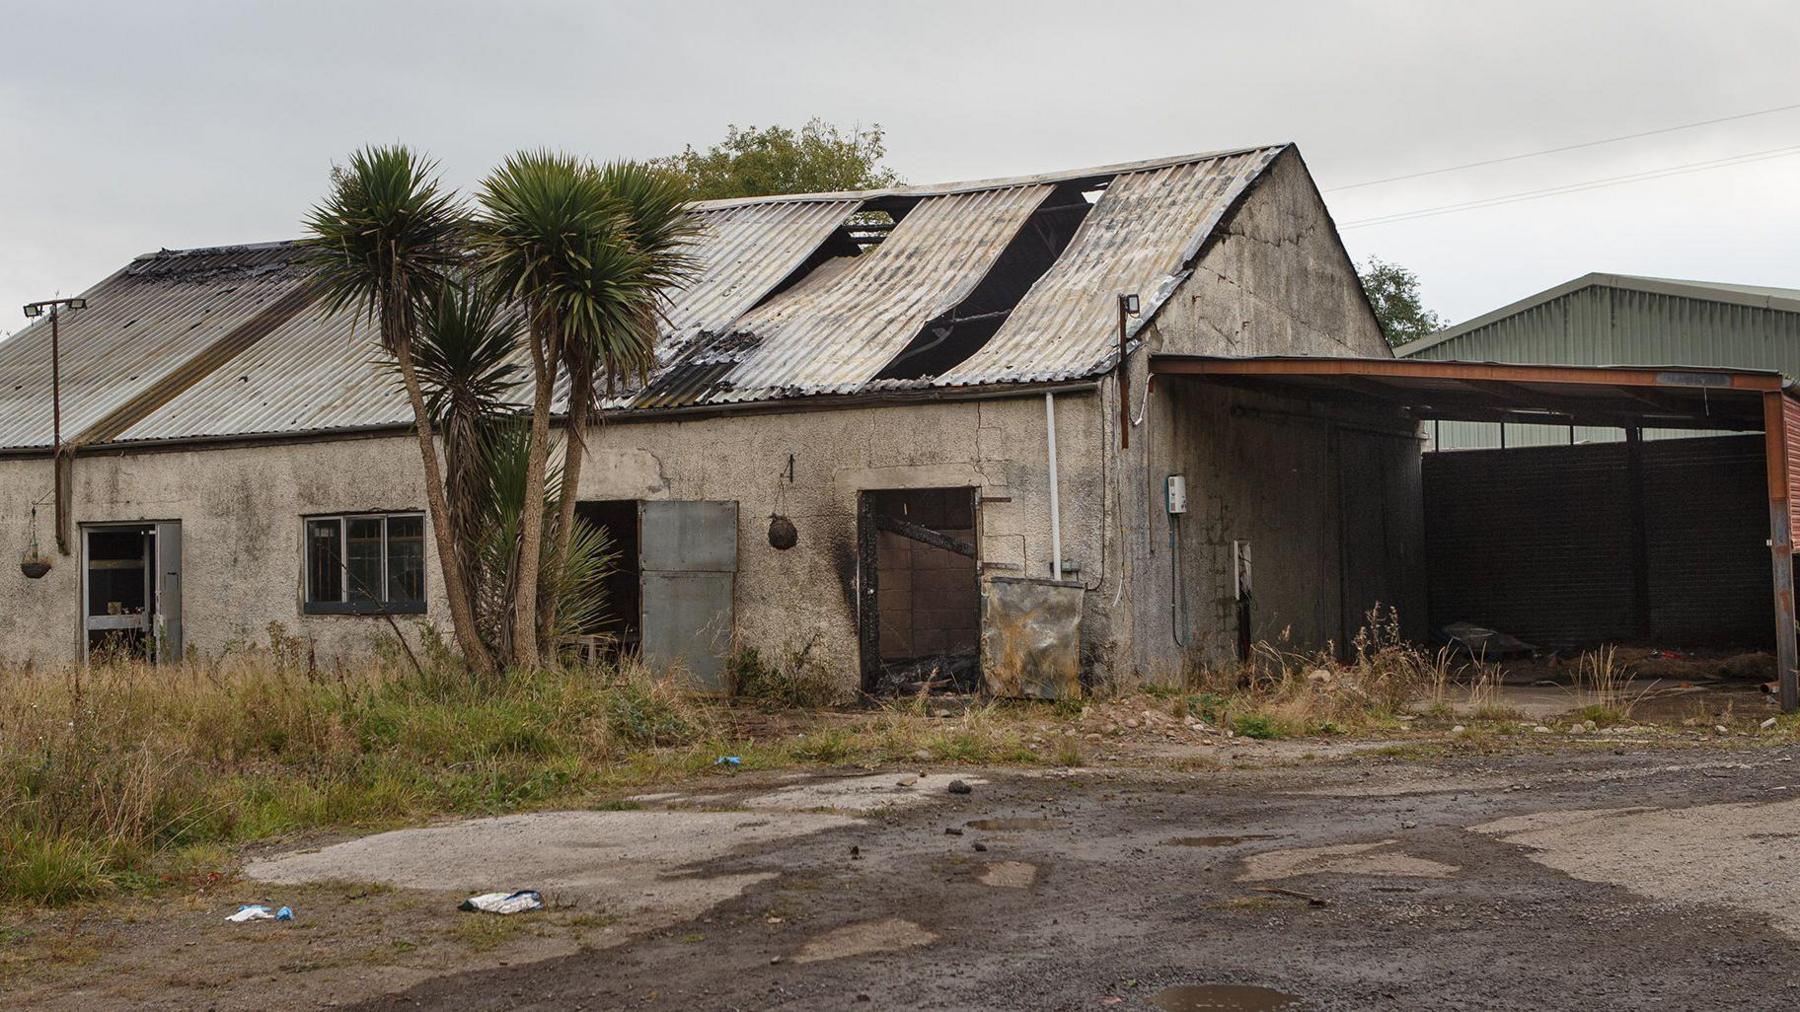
<point>618,622</point>
<point>119,591</point>
<point>920,624</point>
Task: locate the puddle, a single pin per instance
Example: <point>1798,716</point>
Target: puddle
<point>1215,841</point>
<point>1011,825</point>
<point>1234,997</point>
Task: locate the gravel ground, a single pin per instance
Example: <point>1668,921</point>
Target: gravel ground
<point>1591,880</point>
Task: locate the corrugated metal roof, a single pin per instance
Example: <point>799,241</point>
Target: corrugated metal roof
<point>1751,296</point>
<point>320,372</point>
<point>314,372</point>
<point>142,325</point>
<point>1146,228</point>
<point>743,252</point>
<point>162,330</point>
<point>1607,319</point>
<point>835,336</point>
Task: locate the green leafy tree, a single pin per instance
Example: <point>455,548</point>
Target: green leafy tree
<point>755,162</point>
<point>1394,293</point>
<point>383,243</point>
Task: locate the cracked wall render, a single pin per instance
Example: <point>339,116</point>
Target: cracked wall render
<point>240,509</point>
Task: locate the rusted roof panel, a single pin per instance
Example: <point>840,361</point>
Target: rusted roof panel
<point>835,331</point>
<point>1146,229</point>
<point>141,326</point>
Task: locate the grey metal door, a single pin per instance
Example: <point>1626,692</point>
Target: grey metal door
<point>687,555</point>
<point>168,592</point>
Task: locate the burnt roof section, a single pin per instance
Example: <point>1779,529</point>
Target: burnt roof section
<point>798,295</point>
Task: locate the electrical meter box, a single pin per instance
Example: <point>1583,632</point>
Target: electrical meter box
<point>1177,488</point>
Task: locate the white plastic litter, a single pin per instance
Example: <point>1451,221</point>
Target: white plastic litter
<point>254,912</point>
<point>504,903</point>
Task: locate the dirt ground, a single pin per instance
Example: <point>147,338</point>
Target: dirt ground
<point>1577,874</point>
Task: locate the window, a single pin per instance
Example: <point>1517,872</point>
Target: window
<point>365,564</point>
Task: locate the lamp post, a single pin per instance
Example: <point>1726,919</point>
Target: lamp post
<point>34,310</point>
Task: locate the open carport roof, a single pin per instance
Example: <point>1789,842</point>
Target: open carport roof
<point>1742,400</point>
<point>1619,396</point>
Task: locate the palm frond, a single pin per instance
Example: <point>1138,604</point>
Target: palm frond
<point>385,238</point>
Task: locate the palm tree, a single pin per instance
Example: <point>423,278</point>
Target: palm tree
<point>660,230</point>
<point>464,357</point>
<point>382,242</point>
<point>551,237</point>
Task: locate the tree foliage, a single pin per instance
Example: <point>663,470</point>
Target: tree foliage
<point>1394,293</point>
<point>754,162</point>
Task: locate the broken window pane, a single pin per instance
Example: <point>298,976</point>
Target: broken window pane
<point>324,560</point>
<point>406,558</point>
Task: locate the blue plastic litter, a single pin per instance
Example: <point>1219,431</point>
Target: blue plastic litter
<point>729,760</point>
<point>285,914</point>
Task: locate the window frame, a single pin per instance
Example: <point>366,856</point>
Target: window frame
<point>381,605</point>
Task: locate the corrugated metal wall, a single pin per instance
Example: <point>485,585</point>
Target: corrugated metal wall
<point>1539,542</point>
<point>1606,325</point>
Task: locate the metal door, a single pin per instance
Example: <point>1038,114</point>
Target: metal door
<point>687,558</point>
<point>168,592</point>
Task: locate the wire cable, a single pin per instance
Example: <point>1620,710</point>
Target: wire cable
<point>1591,184</point>
<point>1558,150</point>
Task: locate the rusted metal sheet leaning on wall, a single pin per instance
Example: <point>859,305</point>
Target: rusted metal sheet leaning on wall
<point>1031,637</point>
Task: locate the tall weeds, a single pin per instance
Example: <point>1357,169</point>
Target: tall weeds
<point>106,770</point>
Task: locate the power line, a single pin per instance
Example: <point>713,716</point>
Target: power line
<point>1591,184</point>
<point>1566,147</point>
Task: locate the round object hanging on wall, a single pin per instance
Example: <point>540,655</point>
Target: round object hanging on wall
<point>782,535</point>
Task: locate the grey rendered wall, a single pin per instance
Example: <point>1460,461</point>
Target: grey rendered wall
<point>1277,282</point>
<point>240,510</point>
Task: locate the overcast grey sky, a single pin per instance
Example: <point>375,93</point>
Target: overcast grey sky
<point>134,126</point>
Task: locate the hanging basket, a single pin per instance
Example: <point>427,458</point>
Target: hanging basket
<point>33,565</point>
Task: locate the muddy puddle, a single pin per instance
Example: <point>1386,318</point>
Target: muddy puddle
<point>1011,825</point>
<point>1217,997</point>
<point>1215,841</point>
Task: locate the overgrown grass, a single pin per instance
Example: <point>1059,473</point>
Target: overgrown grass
<point>797,678</point>
<point>109,774</point>
<point>1281,692</point>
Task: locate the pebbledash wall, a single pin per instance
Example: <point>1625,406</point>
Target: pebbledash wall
<point>241,507</point>
<point>1298,481</point>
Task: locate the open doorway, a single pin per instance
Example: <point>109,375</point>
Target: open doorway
<point>617,624</point>
<point>920,625</point>
<point>131,591</point>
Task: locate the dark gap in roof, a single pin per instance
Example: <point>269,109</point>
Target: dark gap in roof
<point>948,340</point>
<point>852,239</point>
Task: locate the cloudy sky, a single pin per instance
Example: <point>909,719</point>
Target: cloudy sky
<point>134,126</point>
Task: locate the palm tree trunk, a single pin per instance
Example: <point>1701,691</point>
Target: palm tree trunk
<point>574,449</point>
<point>531,521</point>
<point>449,551</point>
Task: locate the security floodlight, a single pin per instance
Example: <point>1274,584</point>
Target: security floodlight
<point>34,309</point>
<point>1129,303</point>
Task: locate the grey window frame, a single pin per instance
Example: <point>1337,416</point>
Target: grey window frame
<point>343,605</point>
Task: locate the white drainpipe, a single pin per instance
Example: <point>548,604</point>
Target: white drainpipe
<point>1055,505</point>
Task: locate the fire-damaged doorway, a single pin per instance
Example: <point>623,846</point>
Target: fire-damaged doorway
<point>919,624</point>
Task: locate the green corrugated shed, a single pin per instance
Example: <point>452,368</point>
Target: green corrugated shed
<point>1618,319</point>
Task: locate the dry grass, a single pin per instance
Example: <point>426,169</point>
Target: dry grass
<point>1281,692</point>
<point>1603,687</point>
<point>109,775</point>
